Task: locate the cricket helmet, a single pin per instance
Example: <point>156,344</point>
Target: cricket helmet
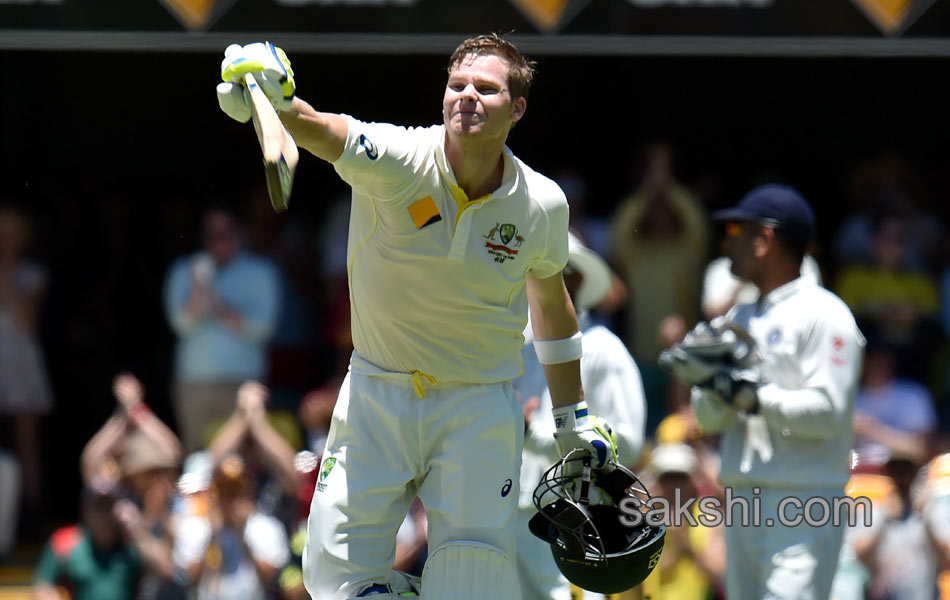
<point>579,516</point>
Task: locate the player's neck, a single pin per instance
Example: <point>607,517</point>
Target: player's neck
<point>478,168</point>
<point>775,277</point>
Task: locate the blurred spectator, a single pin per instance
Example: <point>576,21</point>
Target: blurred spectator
<point>681,427</point>
<point>25,393</point>
<point>900,549</point>
<point>933,485</point>
<point>136,448</point>
<point>233,552</point>
<point>267,457</point>
<point>223,304</point>
<point>133,444</point>
<point>867,481</point>
<point>693,560</point>
<point>899,303</point>
<point>887,186</point>
<point>100,559</point>
<point>660,239</point>
<point>891,412</point>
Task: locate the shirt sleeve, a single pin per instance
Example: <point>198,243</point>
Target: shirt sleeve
<point>191,540</point>
<point>176,292</point>
<point>260,311</point>
<point>555,251</point>
<point>830,352</point>
<point>380,159</point>
<point>47,567</point>
<point>267,541</point>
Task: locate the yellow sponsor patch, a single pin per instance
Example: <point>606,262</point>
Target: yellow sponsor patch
<point>424,212</point>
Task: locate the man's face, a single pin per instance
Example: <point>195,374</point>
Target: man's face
<point>477,101</point>
<point>740,247</point>
<point>221,236</point>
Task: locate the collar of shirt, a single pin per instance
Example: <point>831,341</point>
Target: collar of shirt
<point>782,292</point>
<point>466,206</point>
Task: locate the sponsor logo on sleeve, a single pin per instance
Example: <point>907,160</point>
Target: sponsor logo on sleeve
<point>369,147</point>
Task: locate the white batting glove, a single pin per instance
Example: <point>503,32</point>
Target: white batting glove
<point>270,67</point>
<point>232,101</point>
<point>575,429</point>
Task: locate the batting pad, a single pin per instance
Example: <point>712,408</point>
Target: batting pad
<point>470,571</point>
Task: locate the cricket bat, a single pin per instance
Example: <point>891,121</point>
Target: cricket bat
<point>277,145</point>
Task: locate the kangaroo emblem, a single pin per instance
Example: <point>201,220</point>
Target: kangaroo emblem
<point>518,240</point>
<point>493,231</point>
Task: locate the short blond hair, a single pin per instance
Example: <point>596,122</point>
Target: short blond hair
<point>521,70</point>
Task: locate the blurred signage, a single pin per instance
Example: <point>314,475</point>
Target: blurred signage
<point>893,16</point>
<point>734,18</point>
<point>197,14</point>
<point>549,15</point>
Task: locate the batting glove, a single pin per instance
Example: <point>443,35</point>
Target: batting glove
<point>270,67</point>
<point>575,429</point>
<point>735,387</point>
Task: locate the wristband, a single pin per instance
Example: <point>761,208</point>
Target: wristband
<point>554,352</point>
<point>567,418</point>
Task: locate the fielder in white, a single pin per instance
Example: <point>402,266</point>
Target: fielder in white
<point>451,238</point>
<point>612,385</point>
<point>786,430</point>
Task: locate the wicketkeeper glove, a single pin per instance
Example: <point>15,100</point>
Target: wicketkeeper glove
<point>270,67</point>
<point>575,429</point>
<point>736,387</point>
<point>707,348</point>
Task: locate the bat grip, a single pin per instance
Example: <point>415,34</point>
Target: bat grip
<point>585,481</point>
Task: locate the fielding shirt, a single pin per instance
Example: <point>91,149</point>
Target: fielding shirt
<point>811,363</point>
<point>437,280</point>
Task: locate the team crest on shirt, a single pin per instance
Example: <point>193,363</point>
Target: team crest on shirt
<point>325,469</point>
<point>509,238</point>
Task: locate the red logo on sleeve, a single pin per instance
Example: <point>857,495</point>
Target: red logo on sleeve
<point>836,358</point>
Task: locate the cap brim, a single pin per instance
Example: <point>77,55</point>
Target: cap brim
<point>596,283</point>
<point>732,214</point>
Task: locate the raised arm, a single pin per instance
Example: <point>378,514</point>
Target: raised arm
<point>321,134</point>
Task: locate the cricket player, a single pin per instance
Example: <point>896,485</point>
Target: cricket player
<point>612,383</point>
<point>451,238</point>
<point>786,428</point>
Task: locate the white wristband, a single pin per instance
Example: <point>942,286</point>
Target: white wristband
<point>554,352</point>
<point>567,418</point>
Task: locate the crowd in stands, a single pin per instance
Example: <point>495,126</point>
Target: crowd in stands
<point>213,503</point>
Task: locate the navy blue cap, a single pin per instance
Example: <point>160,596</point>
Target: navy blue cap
<point>779,206</point>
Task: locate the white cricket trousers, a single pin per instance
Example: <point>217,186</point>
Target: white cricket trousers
<point>782,562</point>
<point>458,448</point>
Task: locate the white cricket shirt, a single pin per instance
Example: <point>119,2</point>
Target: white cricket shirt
<point>437,281</point>
<point>812,358</point>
